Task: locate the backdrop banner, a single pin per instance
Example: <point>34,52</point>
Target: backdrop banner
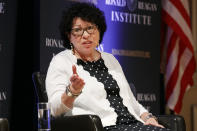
<point>133,37</point>
<point>8,12</point>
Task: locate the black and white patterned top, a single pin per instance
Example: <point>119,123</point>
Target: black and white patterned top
<point>98,70</point>
<point>125,121</point>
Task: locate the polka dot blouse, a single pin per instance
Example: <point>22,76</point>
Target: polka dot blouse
<point>125,120</point>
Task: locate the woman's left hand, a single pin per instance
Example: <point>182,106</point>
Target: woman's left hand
<point>152,121</point>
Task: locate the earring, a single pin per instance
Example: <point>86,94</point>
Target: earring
<point>97,46</point>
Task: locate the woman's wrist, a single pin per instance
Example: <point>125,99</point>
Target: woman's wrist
<point>70,91</point>
<point>148,116</point>
<point>67,101</point>
<point>68,97</point>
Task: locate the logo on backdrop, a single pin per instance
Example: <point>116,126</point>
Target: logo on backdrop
<point>132,53</point>
<point>147,97</point>
<point>132,5</point>
<point>55,43</point>
<point>2,9</point>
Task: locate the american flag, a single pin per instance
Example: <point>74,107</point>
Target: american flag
<point>178,47</point>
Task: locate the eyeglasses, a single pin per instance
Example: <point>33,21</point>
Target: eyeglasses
<point>80,31</point>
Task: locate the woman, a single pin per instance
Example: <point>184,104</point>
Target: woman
<point>82,80</point>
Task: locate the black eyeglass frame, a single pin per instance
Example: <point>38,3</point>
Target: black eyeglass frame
<point>91,27</point>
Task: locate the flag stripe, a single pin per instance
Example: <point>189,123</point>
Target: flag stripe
<point>180,61</point>
<point>172,23</point>
<point>186,80</point>
<point>171,46</point>
<point>182,11</point>
<point>176,92</point>
<point>178,24</point>
<point>172,83</point>
<point>172,58</point>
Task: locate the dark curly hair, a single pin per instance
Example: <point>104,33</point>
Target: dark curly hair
<point>87,12</point>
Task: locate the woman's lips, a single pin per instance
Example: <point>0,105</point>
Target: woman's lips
<point>87,44</point>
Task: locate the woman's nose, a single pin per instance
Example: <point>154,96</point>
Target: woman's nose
<point>85,34</point>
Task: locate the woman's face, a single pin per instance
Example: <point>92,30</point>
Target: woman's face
<point>84,36</point>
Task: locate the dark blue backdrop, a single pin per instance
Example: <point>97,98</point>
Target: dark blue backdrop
<point>8,13</point>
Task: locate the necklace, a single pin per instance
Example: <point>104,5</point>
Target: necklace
<point>91,59</point>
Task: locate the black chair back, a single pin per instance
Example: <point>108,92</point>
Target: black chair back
<point>39,86</point>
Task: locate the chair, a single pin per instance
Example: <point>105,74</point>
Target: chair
<point>4,126</point>
<point>92,122</point>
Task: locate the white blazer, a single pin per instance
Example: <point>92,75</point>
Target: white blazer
<point>93,98</point>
